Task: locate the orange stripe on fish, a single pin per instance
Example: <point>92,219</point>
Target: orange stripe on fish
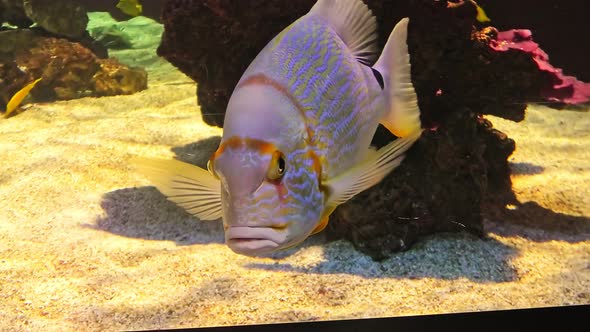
<point>316,164</point>
<point>281,191</point>
<point>262,79</point>
<point>263,147</point>
<point>236,142</point>
<point>321,225</point>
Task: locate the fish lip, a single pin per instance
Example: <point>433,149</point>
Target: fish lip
<point>254,240</point>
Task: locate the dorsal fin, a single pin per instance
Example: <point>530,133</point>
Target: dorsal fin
<point>354,23</point>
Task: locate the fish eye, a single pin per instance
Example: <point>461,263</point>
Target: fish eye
<point>277,166</point>
<point>281,165</point>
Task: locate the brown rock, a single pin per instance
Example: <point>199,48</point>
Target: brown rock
<point>116,79</point>
<point>69,69</point>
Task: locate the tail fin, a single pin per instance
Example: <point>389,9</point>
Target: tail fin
<point>402,116</point>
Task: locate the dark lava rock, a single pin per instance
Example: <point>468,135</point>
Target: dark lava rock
<point>60,17</point>
<point>213,41</point>
<point>460,162</point>
<point>439,187</point>
<point>13,12</point>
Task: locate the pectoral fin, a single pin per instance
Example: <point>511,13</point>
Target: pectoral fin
<point>189,186</point>
<point>370,172</point>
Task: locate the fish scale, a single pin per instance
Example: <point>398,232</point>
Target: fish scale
<point>336,124</point>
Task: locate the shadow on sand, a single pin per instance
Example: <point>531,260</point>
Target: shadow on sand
<point>444,256</point>
<point>534,222</point>
<point>505,215</point>
<point>197,153</point>
<point>145,213</point>
<point>525,169</point>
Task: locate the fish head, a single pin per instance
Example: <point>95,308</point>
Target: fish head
<point>271,197</point>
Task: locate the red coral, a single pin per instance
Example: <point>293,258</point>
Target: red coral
<point>559,87</point>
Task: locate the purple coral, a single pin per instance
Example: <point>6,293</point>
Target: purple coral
<point>559,88</point>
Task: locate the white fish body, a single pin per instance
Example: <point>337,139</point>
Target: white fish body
<point>297,131</point>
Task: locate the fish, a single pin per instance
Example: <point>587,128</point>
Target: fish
<point>130,7</point>
<point>297,133</point>
<point>481,15</point>
<point>18,97</point>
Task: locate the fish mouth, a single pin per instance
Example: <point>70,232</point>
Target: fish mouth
<point>254,241</point>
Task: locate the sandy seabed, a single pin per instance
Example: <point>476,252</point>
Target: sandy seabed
<point>87,244</point>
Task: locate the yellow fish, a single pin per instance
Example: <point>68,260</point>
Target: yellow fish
<point>18,97</point>
<point>130,7</point>
<point>481,15</point>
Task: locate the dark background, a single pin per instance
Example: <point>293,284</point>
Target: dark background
<point>561,27</point>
